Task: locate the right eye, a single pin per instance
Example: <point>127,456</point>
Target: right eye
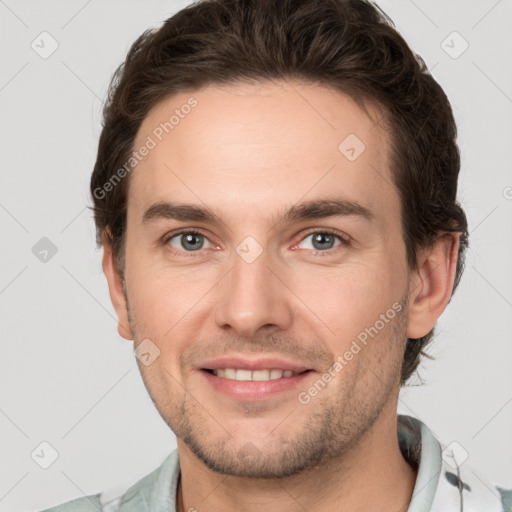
<point>186,241</point>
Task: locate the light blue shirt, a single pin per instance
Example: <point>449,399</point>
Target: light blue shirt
<point>444,482</point>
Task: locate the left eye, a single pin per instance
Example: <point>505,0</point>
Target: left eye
<point>322,241</point>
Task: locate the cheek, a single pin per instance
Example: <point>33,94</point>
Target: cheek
<point>160,293</point>
<point>348,298</point>
<point>169,306</point>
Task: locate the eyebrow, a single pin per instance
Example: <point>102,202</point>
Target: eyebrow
<point>315,209</point>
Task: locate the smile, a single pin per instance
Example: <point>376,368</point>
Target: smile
<point>248,385</point>
<point>259,375</point>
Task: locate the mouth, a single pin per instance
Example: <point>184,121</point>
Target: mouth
<point>242,384</point>
<point>243,374</point>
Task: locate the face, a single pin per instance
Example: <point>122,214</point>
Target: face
<point>262,235</point>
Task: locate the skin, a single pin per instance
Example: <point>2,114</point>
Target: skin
<point>249,152</point>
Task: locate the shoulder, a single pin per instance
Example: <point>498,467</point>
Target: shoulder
<point>446,480</point>
<point>464,485</point>
<point>90,503</point>
<point>159,485</point>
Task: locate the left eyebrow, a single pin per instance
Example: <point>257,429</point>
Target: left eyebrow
<point>315,209</point>
<point>322,208</point>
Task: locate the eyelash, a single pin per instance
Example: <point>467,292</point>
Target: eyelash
<point>345,241</point>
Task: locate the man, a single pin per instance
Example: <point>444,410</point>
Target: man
<point>238,139</point>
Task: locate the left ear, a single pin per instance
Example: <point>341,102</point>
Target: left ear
<point>431,286</point>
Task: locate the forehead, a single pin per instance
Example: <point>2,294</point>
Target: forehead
<point>259,147</point>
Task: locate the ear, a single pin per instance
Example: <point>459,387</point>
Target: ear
<point>431,286</point>
<point>115,287</point>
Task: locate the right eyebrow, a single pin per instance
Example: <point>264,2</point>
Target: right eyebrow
<point>181,212</point>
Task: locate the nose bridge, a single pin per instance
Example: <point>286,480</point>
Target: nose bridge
<point>251,296</point>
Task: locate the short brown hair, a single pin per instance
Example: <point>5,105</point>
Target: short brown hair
<point>349,45</point>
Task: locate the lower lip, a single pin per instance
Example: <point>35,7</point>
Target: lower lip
<point>254,389</point>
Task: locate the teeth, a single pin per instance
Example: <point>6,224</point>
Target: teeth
<point>243,375</point>
<point>261,375</point>
<point>276,374</point>
<point>234,374</point>
<point>229,373</point>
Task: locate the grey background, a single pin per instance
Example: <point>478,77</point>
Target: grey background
<point>69,379</point>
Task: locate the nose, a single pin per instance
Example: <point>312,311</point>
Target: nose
<point>253,297</point>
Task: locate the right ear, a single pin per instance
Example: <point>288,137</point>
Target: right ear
<point>115,287</point>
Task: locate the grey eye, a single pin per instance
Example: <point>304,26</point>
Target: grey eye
<point>187,241</point>
<point>322,241</point>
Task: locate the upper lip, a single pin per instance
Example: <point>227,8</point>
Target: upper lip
<point>260,363</point>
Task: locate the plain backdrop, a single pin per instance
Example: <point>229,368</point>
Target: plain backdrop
<point>69,380</point>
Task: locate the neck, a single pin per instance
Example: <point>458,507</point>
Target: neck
<point>374,471</point>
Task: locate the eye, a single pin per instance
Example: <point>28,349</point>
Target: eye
<point>323,241</point>
<point>188,241</point>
